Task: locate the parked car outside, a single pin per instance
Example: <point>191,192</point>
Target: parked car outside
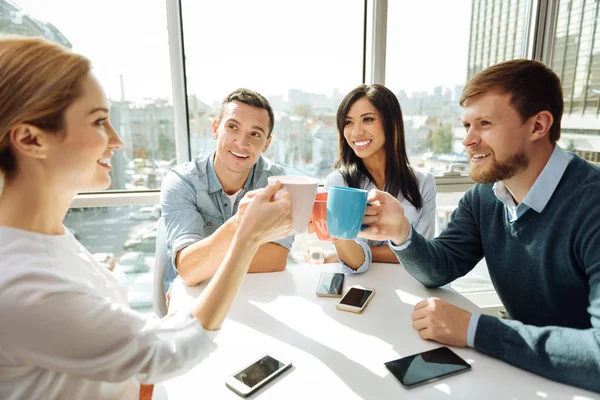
<point>105,258</point>
<point>133,262</point>
<point>145,213</point>
<point>147,243</point>
<point>140,293</point>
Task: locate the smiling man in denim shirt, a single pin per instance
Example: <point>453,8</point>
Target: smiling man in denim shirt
<point>199,198</point>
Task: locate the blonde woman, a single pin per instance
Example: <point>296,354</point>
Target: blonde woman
<point>67,330</point>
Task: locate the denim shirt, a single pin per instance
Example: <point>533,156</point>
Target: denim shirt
<point>194,204</point>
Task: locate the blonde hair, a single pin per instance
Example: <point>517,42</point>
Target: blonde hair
<point>39,79</point>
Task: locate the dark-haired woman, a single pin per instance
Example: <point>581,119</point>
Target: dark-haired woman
<point>373,156</point>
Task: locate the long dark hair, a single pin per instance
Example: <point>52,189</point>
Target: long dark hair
<point>399,177</point>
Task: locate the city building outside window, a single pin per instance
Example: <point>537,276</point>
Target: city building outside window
<point>575,57</point>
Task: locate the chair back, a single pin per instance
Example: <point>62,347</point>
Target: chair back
<point>160,262</point>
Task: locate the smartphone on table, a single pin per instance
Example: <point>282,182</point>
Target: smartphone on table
<point>356,299</point>
<point>331,284</point>
<point>256,375</point>
<point>429,366</point>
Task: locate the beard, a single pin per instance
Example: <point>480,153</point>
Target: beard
<point>499,171</point>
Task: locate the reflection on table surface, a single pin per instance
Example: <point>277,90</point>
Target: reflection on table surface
<point>337,354</point>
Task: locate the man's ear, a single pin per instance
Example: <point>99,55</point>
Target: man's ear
<point>29,141</point>
<point>267,144</point>
<point>542,123</point>
<point>215,127</point>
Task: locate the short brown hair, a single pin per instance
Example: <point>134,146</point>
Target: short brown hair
<point>533,86</point>
<point>251,98</point>
<point>39,80</point>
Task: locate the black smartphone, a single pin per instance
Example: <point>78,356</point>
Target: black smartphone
<point>356,299</point>
<point>426,367</point>
<point>257,374</point>
<point>331,284</point>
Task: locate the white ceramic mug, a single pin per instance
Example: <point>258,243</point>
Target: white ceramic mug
<point>303,191</point>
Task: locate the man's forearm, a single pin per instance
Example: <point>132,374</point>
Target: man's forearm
<point>270,257</point>
<point>567,355</point>
<point>383,254</point>
<point>199,261</point>
<point>439,261</point>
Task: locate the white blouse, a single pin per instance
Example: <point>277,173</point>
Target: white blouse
<point>68,332</point>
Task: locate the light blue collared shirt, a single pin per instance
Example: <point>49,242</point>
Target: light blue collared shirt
<point>540,193</point>
<point>536,199</point>
<point>195,205</point>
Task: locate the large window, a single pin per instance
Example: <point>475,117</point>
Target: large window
<point>130,54</point>
<point>303,56</point>
<point>428,71</point>
<point>134,70</point>
<point>123,238</point>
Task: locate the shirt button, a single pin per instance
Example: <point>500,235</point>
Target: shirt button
<point>208,224</point>
<point>237,202</point>
<point>225,204</point>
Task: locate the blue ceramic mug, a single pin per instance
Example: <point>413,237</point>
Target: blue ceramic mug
<point>345,211</point>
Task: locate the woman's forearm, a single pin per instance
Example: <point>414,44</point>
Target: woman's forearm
<point>350,253</point>
<point>383,254</point>
<point>214,303</point>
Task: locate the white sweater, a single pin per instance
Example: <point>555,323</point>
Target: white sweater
<point>67,331</point>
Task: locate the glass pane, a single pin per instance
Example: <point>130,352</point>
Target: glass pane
<point>576,60</point>
<point>478,279</point>
<point>131,62</point>
<point>304,61</point>
<point>428,71</point>
<point>124,238</point>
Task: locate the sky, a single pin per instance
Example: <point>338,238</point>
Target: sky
<point>266,45</point>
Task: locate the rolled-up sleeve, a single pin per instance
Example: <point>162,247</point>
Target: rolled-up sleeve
<point>184,223</point>
<point>364,245</point>
<point>426,223</point>
<point>287,242</point>
<point>60,325</point>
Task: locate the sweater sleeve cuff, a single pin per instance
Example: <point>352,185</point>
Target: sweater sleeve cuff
<point>402,246</point>
<point>365,265</point>
<point>472,330</point>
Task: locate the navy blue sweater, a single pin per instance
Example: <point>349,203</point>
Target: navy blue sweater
<point>545,267</point>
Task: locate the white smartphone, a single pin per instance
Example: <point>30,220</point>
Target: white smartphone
<point>258,374</point>
<point>331,284</point>
<point>356,299</point>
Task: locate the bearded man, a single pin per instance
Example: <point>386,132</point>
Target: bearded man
<point>534,215</point>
